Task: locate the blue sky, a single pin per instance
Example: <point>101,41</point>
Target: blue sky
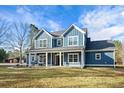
<point>103,22</point>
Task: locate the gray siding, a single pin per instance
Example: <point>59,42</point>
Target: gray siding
<point>43,35</point>
<point>107,58</point>
<point>73,32</point>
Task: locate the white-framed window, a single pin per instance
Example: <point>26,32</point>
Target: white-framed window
<point>43,43</point>
<point>98,56</point>
<point>73,40</point>
<point>59,42</point>
<point>73,57</point>
<point>42,58</point>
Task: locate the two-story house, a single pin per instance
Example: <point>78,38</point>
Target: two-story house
<point>72,48</point>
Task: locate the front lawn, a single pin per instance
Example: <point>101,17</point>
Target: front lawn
<point>61,77</point>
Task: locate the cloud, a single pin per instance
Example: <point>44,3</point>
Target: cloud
<point>107,33</point>
<point>30,15</point>
<point>54,26</point>
<point>103,22</point>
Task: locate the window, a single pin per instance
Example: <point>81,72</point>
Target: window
<point>33,58</point>
<point>42,58</point>
<point>73,57</point>
<point>43,43</point>
<point>98,56</point>
<point>72,40</point>
<point>59,42</point>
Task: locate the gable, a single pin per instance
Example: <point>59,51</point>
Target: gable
<point>41,32</point>
<point>73,27</point>
<point>41,36</point>
<point>72,32</point>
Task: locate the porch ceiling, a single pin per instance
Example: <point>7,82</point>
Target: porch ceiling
<point>58,49</point>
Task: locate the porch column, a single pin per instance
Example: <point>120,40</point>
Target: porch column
<point>82,59</point>
<point>60,59</point>
<point>29,60</point>
<point>46,59</point>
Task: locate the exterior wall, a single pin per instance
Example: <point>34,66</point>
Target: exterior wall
<point>66,63</point>
<point>73,32</point>
<point>107,58</point>
<point>54,43</point>
<point>43,35</point>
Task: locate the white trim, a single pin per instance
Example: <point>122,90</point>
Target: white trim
<point>46,59</point>
<point>60,41</point>
<point>42,40</point>
<point>96,56</point>
<point>73,37</point>
<point>99,50</point>
<point>77,28</point>
<point>82,59</point>
<point>98,65</point>
<point>40,32</point>
<point>60,59</point>
<point>29,60</point>
<point>51,42</point>
<point>56,51</point>
<point>63,59</point>
<point>73,54</point>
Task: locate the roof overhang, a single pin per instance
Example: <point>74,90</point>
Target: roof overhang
<point>53,50</point>
<point>100,50</point>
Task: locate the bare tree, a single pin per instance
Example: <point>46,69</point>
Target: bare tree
<point>4,29</point>
<point>122,52</point>
<point>19,34</point>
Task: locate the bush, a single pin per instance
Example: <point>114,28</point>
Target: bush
<point>3,55</point>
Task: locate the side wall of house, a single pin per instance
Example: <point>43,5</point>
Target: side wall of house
<point>107,58</point>
<point>74,32</point>
<point>43,35</point>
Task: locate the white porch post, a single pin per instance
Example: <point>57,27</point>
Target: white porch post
<point>46,59</point>
<point>82,59</point>
<point>63,60</point>
<point>60,61</point>
<point>51,59</point>
<point>29,60</point>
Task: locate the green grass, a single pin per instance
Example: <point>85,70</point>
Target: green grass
<point>61,77</point>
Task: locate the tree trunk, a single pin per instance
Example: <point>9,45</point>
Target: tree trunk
<point>20,55</point>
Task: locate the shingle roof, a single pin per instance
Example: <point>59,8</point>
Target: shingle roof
<point>57,33</point>
<point>103,45</point>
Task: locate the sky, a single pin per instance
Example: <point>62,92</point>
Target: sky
<point>102,22</point>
